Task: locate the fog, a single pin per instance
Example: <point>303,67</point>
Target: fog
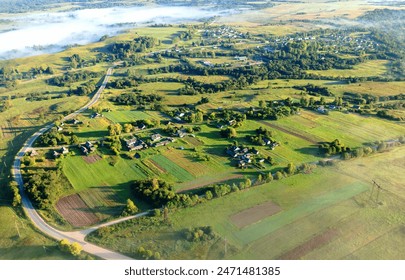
<point>40,33</point>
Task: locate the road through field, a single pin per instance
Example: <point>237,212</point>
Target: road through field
<point>76,236</point>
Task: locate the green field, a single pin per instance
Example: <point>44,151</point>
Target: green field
<point>326,215</point>
<point>172,168</point>
<point>127,116</point>
<point>83,175</point>
<point>366,69</point>
<point>20,241</point>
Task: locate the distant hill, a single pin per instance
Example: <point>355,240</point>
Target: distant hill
<point>20,6</point>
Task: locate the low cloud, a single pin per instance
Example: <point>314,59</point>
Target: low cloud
<point>51,32</point>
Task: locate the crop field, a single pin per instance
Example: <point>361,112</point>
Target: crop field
<point>255,214</point>
<point>127,116</point>
<point>75,211</point>
<point>352,129</point>
<point>325,215</point>
<point>192,166</point>
<point>98,174</point>
<point>172,168</point>
<point>229,178</point>
<point>365,69</point>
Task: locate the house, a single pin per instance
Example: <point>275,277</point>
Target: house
<point>89,146</point>
<point>255,152</point>
<point>130,143</point>
<point>241,58</point>
<point>64,150</point>
<point>59,128</point>
<point>162,143</point>
<point>233,151</point>
<point>95,115</point>
<point>75,121</point>
<point>155,137</point>
<point>33,153</point>
<point>84,150</point>
<point>208,63</point>
<point>266,141</point>
<point>232,122</point>
<point>274,145</point>
<point>180,133</point>
<point>220,126</point>
<point>321,109</point>
<point>56,154</point>
<point>142,126</point>
<point>357,107</point>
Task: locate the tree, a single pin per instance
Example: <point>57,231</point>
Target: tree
<point>290,169</point>
<point>130,208</point>
<point>128,127</point>
<point>248,183</point>
<point>278,175</point>
<point>16,193</point>
<point>268,177</point>
<point>208,195</point>
<point>74,249</point>
<point>229,132</point>
<point>199,117</point>
<point>114,129</point>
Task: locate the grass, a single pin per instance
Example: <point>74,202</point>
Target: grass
<point>20,241</point>
<point>99,174</point>
<point>172,168</point>
<point>366,69</point>
<point>334,199</point>
<point>126,116</point>
<point>354,130</point>
<point>270,224</point>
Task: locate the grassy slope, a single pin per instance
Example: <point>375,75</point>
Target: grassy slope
<point>19,240</point>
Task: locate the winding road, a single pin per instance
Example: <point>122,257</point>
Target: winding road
<point>73,236</point>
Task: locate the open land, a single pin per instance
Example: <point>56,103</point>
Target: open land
<point>226,102</point>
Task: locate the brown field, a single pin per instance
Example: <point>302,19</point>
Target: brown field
<point>193,167</point>
<point>193,141</point>
<point>310,245</point>
<point>310,139</point>
<point>104,201</point>
<point>203,182</point>
<point>255,214</point>
<point>91,159</point>
<point>75,211</point>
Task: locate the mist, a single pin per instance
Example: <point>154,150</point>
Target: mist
<point>40,33</point>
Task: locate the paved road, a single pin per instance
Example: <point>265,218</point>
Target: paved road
<point>76,236</point>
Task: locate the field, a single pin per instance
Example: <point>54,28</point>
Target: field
<point>127,116</point>
<point>334,212</point>
<point>255,214</point>
<point>75,211</point>
<point>171,168</point>
<point>366,69</point>
<point>325,215</point>
<point>20,241</point>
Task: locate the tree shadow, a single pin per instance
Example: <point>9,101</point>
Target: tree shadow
<point>312,150</point>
